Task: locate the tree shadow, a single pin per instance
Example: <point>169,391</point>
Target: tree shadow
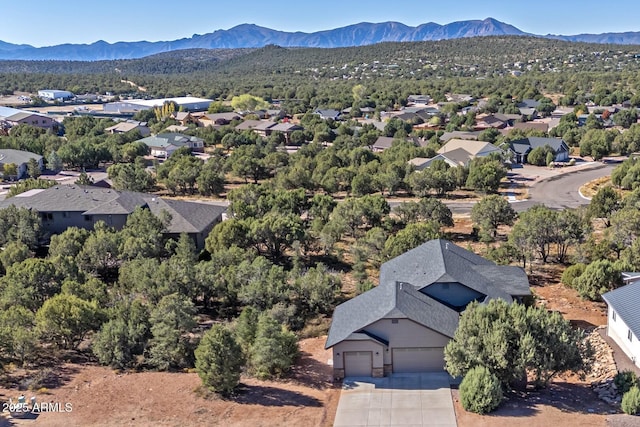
<point>47,376</point>
<point>567,397</point>
<point>582,324</point>
<point>272,396</point>
<point>312,373</point>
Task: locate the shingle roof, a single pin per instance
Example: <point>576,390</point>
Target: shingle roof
<point>187,217</point>
<point>521,146</point>
<point>383,142</point>
<point>625,302</point>
<point>248,124</point>
<point>168,139</point>
<point>458,134</point>
<point>18,157</point>
<point>402,278</point>
<point>472,147</point>
<point>285,127</point>
<point>529,103</point>
<point>396,300</point>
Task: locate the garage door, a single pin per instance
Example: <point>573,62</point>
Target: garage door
<point>357,363</point>
<point>418,359</point>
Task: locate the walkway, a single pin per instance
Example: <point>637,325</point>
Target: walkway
<point>399,400</point>
<point>623,362</point>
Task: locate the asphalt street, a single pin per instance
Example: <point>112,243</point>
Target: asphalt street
<point>562,191</point>
<point>556,192</point>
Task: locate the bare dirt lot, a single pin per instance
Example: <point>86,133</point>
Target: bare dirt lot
<point>102,397</point>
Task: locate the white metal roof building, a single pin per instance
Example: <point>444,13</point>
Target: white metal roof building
<point>55,94</point>
<point>188,103</point>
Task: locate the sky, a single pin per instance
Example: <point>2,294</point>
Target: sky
<point>50,22</point>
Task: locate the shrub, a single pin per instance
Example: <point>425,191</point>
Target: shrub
<point>625,380</point>
<point>571,273</point>
<point>219,360</point>
<point>480,391</point>
<point>631,401</point>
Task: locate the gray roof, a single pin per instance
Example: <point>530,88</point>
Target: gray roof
<point>402,279</point>
<point>18,157</point>
<point>525,111</point>
<point>398,300</point>
<point>528,103</point>
<point>285,127</point>
<point>187,217</point>
<point>328,113</point>
<point>459,134</point>
<point>431,261</point>
<point>625,302</point>
<point>167,139</point>
<point>383,142</point>
<point>248,124</point>
<point>223,116</point>
<point>521,146</point>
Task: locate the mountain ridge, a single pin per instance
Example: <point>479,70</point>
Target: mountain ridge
<point>255,36</point>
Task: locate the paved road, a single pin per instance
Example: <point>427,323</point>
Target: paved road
<point>560,192</point>
<point>557,192</point>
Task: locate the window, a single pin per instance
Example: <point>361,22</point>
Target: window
<point>394,321</point>
<point>88,217</point>
<point>630,335</point>
<point>613,315</point>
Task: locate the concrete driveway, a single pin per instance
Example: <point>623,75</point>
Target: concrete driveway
<point>399,400</point>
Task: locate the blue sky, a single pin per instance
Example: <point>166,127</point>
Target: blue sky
<point>50,22</point>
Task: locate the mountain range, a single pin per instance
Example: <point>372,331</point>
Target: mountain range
<point>253,36</point>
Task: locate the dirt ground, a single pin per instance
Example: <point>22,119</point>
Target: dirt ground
<point>101,397</point>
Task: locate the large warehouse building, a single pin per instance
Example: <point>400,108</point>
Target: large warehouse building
<point>53,94</point>
<point>188,103</point>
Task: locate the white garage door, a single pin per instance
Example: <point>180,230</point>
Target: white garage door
<point>418,359</point>
<point>357,363</point>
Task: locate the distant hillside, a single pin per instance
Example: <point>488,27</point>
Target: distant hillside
<point>253,36</point>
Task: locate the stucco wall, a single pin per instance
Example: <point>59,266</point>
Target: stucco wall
<point>618,331</point>
<point>405,333</point>
<point>365,345</point>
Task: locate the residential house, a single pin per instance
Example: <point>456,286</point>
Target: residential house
<point>20,159</point>
<point>623,316</point>
<point>326,114</point>
<point>175,129</point>
<point>489,122</point>
<point>14,117</point>
<point>248,125</point>
<point>509,119</point>
<point>64,206</point>
<point>539,126</point>
<point>528,103</point>
<point>263,128</point>
<point>422,163</point>
<point>129,126</point>
<point>385,142</point>
<point>419,99</point>
<point>403,324</point>
<point>164,144</point>
<point>470,149</point>
<point>522,147</point>
<point>459,97</point>
<point>286,129</point>
<point>382,143</point>
<point>218,119</point>
<point>459,134</point>
<point>184,118</point>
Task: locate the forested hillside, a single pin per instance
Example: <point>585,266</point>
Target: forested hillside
<point>488,66</point>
